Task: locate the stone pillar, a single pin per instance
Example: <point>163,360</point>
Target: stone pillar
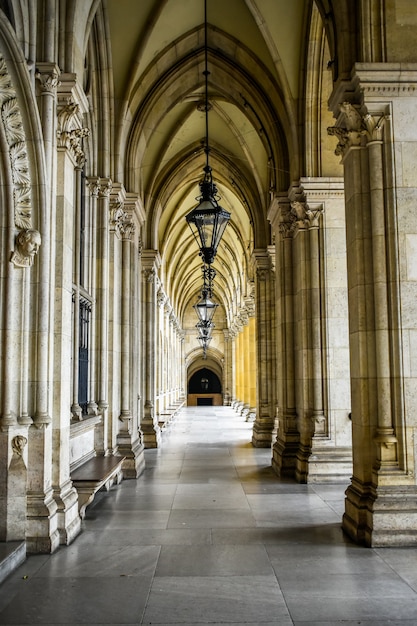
<point>246,366</point>
<point>128,443</point>
<point>93,184</point>
<point>76,409</point>
<point>104,442</point>
<point>227,368</point>
<point>331,452</point>
<point>42,533</point>
<point>265,385</point>
<point>150,428</point>
<point>70,159</point>
<point>233,338</point>
<point>286,446</point>
<point>380,187</point>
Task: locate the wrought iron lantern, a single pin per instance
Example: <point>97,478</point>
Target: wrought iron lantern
<point>208,219</point>
<point>205,307</point>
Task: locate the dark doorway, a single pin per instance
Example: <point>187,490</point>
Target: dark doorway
<point>204,401</point>
<point>204,381</point>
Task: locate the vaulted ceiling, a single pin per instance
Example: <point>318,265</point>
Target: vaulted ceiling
<point>255,59</point>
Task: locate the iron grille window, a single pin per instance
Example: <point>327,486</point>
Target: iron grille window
<point>83,356</point>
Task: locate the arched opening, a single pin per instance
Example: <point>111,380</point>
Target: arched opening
<point>204,389</point>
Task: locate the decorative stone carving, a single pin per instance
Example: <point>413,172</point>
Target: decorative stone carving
<point>161,298</point>
<point>105,187</point>
<point>69,131</point>
<point>18,444</point>
<point>48,82</point>
<point>149,275</point>
<point>128,228</point>
<point>94,185</point>
<point>117,219</point>
<point>374,127</point>
<point>262,273</point>
<point>16,143</point>
<point>27,246</point>
<point>349,128</point>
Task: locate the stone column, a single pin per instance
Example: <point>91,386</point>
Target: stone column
<point>69,160</point>
<point>380,186</point>
<point>42,533</point>
<point>128,443</point>
<point>93,184</point>
<point>104,441</point>
<point>331,452</point>
<point>227,368</point>
<point>265,384</point>
<point>252,364</point>
<point>150,428</point>
<point>246,365</point>
<point>286,446</point>
<point>76,409</point>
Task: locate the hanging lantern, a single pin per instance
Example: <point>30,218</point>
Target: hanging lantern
<point>205,308</point>
<point>208,220</point>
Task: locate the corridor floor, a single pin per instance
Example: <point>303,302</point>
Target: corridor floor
<point>209,535</point>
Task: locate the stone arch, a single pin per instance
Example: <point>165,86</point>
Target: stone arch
<point>214,363</point>
<point>25,208</point>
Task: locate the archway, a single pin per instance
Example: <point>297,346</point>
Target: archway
<point>204,388</point>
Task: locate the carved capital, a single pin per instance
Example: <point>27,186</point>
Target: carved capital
<point>48,80</point>
<point>349,129</point>
<point>128,229</point>
<point>70,132</point>
<point>374,127</point>
<point>262,274</point>
<point>149,274</point>
<point>299,211</point>
<point>105,187</point>
<point>120,223</point>
<point>93,183</point>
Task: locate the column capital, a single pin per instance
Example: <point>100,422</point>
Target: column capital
<point>48,77</point>
<point>261,262</point>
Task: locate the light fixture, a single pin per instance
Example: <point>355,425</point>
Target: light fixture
<point>205,307</point>
<point>208,219</point>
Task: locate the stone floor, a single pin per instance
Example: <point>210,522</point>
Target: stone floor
<point>208,535</point>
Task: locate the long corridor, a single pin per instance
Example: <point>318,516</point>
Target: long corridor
<point>209,535</point>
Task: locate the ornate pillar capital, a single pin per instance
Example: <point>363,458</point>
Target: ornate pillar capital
<point>48,78</point>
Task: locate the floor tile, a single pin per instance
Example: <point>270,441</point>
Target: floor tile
<point>216,599</point>
<point>214,560</point>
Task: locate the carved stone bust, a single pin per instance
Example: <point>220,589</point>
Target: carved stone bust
<point>27,246</point>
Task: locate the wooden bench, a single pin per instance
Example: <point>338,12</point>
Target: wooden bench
<point>97,473</point>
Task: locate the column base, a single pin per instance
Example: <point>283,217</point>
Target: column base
<point>284,456</point>
<point>134,462</point>
<point>330,465</point>
<point>381,516</point>
<point>42,534</point>
<point>262,433</point>
<point>151,435</point>
<point>69,521</point>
